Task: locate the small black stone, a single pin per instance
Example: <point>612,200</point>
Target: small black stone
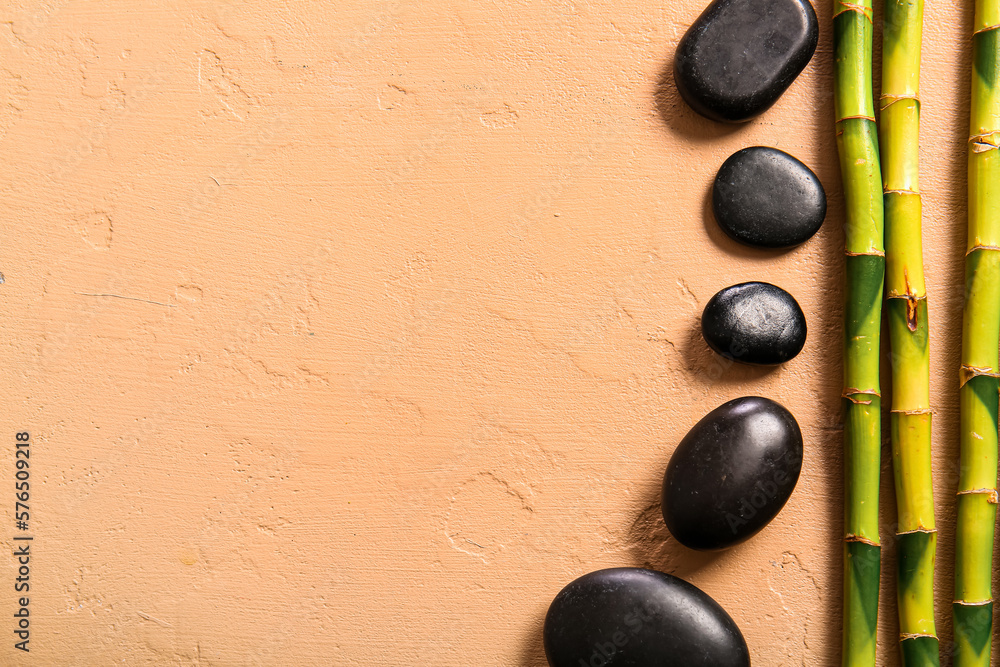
<point>739,56</point>
<point>732,473</point>
<point>754,323</point>
<point>765,197</point>
<point>633,617</point>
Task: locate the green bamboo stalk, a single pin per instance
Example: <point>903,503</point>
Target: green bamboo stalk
<point>906,301</point>
<point>972,611</point>
<point>865,267</point>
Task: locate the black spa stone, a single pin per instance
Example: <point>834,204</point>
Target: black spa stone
<point>732,473</point>
<point>754,323</point>
<point>630,617</point>
<point>739,56</point>
<point>766,198</point>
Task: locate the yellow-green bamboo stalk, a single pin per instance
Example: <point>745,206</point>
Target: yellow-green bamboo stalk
<point>865,267</point>
<point>972,611</point>
<point>906,301</point>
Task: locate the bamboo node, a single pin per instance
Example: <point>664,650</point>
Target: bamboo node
<point>926,531</point>
<point>865,11</point>
<point>903,636</point>
<point>991,494</point>
<point>855,395</point>
<point>987,29</point>
<point>892,99</point>
<point>869,253</point>
<point>859,117</point>
<point>966,373</point>
<point>988,141</point>
<point>973,604</point>
<point>922,411</point>
<point>980,246</point>
<point>851,537</point>
<point>904,191</point>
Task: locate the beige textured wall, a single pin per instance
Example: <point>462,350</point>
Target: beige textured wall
<point>408,327</point>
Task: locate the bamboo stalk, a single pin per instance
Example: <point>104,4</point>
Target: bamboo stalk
<point>906,301</point>
<point>865,266</point>
<point>972,611</point>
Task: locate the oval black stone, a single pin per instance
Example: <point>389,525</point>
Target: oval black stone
<point>754,323</point>
<point>634,617</point>
<point>739,56</point>
<point>732,473</point>
<point>765,197</point>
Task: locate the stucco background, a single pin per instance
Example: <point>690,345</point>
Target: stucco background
<point>349,332</point>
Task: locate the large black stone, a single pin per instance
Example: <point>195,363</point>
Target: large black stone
<point>732,473</point>
<point>630,617</point>
<point>739,56</point>
<point>765,197</point>
<point>754,323</point>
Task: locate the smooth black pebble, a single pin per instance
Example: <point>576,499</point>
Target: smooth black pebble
<point>640,618</point>
<point>739,56</point>
<point>765,197</point>
<point>754,323</point>
<point>732,473</point>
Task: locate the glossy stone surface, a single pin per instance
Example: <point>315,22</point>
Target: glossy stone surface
<point>739,56</point>
<point>754,323</point>
<point>732,473</point>
<point>634,617</point>
<point>766,198</point>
